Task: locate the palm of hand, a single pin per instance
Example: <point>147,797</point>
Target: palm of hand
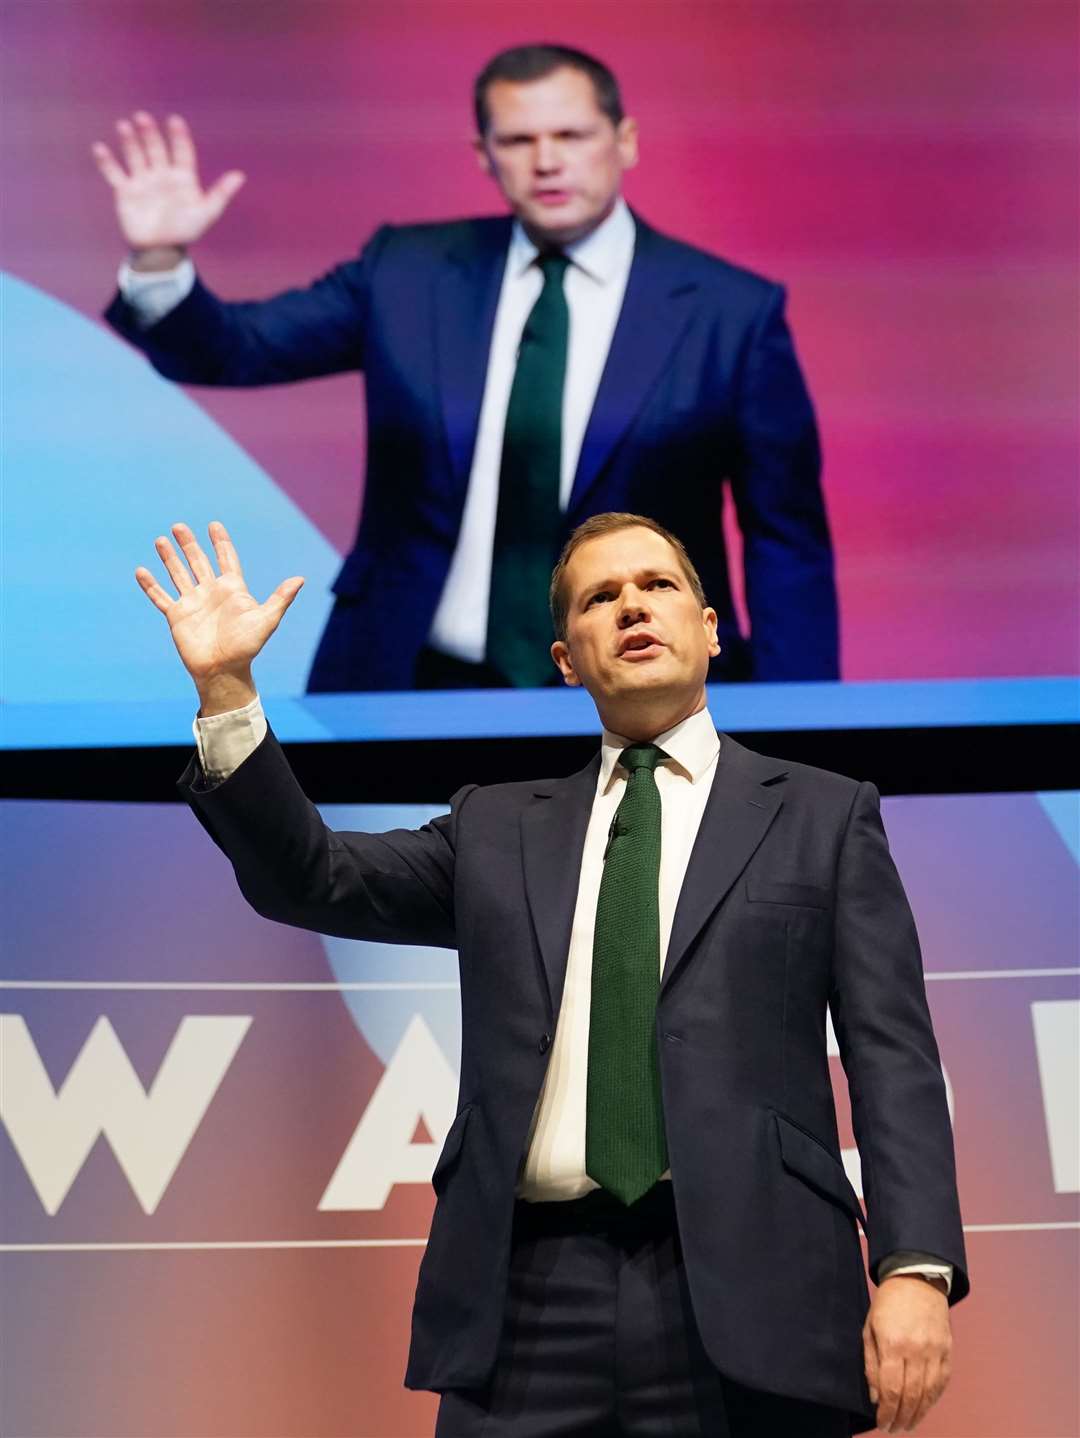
<point>160,201</point>
<point>218,626</point>
<point>163,205</point>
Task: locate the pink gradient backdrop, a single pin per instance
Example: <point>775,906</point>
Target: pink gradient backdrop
<point>909,170</point>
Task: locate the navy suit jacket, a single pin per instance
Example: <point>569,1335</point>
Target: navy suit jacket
<point>790,903</point>
<point>701,386</point>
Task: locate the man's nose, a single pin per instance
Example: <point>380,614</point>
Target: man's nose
<point>633,608</point>
<point>545,156</point>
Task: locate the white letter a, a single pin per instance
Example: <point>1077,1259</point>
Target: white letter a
<point>418,1084</point>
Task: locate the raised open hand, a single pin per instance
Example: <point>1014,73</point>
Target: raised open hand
<point>160,202</point>
<point>217,625</point>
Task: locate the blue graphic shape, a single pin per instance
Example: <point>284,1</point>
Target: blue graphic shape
<point>1063,810</point>
<point>100,455</point>
<point>383,1014</point>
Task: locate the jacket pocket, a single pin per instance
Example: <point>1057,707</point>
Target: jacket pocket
<point>771,891</point>
<point>807,1158</point>
<point>451,1149</point>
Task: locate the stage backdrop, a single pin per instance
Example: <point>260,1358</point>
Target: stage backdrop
<point>218,1133</point>
<point>908,169</point>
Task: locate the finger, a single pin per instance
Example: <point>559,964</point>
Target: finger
<point>173,564</point>
<point>276,605</point>
<point>221,192</point>
<point>227,557</point>
<point>201,567</point>
<point>130,148</point>
<point>890,1387</point>
<point>151,139</point>
<point>941,1379</point>
<point>183,146</point>
<point>153,590</point>
<point>911,1397</point>
<point>107,163</point>
<point>870,1363</point>
<point>933,1386</point>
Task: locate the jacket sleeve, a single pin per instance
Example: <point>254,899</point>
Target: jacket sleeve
<point>395,888</point>
<point>882,1021</point>
<point>300,334</point>
<point>776,485</point>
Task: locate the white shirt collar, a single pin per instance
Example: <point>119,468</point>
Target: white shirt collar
<point>602,254</point>
<point>691,745</point>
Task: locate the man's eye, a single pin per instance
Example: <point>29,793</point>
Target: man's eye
<point>600,594</point>
<point>666,582</point>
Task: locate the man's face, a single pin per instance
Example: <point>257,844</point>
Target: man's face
<point>554,154</point>
<point>637,639</point>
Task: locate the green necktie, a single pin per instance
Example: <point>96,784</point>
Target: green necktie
<point>625,1148</point>
<point>528,522</point>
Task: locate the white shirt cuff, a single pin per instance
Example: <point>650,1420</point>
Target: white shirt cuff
<point>152,294</point>
<point>224,741</point>
<point>927,1270</point>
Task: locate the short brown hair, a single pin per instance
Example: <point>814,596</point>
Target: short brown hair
<point>609,524</point>
<point>524,63</point>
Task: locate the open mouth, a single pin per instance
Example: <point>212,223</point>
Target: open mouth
<point>640,646</point>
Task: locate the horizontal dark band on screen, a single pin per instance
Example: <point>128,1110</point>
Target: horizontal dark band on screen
<point>957,759</point>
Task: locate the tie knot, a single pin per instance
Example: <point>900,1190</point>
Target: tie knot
<point>641,756</point>
<point>553,265</point>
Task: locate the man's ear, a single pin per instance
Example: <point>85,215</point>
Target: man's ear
<point>561,655</point>
<point>708,618</point>
<point>483,159</point>
<point>627,138</point>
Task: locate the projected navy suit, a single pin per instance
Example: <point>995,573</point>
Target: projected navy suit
<point>790,903</point>
<point>701,385</point>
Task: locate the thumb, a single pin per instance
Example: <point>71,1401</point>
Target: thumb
<point>282,597</point>
<point>222,191</point>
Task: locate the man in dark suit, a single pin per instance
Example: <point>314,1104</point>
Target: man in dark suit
<point>643,1222</point>
<point>522,373</point>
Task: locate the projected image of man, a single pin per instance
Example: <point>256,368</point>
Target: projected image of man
<point>522,373</point>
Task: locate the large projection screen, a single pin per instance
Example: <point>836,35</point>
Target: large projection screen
<point>907,171</point>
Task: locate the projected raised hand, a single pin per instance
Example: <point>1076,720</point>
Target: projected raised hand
<point>217,625</point>
<point>161,205</point>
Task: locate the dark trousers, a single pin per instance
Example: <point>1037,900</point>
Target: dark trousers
<point>341,661</point>
<point>599,1340</point>
<point>443,671</point>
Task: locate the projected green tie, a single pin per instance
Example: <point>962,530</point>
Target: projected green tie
<point>625,1147</point>
<point>528,519</point>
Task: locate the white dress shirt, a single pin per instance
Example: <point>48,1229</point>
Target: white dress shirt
<point>594,285</point>
<point>555,1151</point>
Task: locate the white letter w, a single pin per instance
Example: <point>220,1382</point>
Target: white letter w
<point>54,1131</point>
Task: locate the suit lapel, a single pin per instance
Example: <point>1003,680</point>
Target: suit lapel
<point>657,307</point>
<point>739,811</point>
<point>552,840</point>
<point>466,297</point>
